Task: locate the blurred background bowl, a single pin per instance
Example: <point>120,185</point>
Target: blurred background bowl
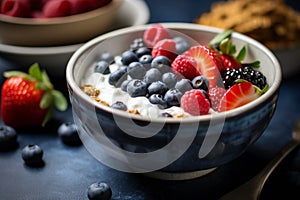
<point>55,58</point>
<point>67,30</point>
<point>111,136</point>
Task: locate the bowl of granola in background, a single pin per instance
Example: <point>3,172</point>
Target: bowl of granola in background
<point>173,148</point>
<point>273,23</point>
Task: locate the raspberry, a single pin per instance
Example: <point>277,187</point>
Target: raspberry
<point>16,8</point>
<point>165,47</point>
<point>154,34</point>
<point>57,8</point>
<point>185,66</point>
<point>195,103</point>
<point>215,95</point>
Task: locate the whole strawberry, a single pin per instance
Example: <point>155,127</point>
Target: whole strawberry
<point>29,99</point>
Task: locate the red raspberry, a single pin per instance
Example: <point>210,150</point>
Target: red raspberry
<point>185,66</point>
<point>16,8</point>
<point>165,47</point>
<point>154,34</point>
<point>81,6</point>
<point>57,8</point>
<point>195,103</point>
<point>215,95</point>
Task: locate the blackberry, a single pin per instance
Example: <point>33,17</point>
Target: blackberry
<point>247,73</point>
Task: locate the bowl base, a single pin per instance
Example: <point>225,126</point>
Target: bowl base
<point>179,176</point>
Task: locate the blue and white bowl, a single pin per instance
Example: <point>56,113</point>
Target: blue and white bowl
<point>168,148</point>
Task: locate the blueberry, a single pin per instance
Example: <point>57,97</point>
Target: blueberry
<point>165,114</point>
<point>128,57</point>
<point>32,154</point>
<point>152,75</point>
<point>146,61</point>
<point>162,63</point>
<point>68,134</point>
<point>136,70</point>
<point>158,99</point>
<point>137,88</point>
<point>117,77</point>
<point>108,57</point>
<point>124,85</point>
<point>169,79</point>
<point>99,191</point>
<point>119,105</point>
<point>102,67</point>
<point>173,97</point>
<point>136,44</point>
<point>182,44</point>
<point>8,138</point>
<point>143,51</point>
<point>200,82</point>
<point>184,85</point>
<point>157,87</point>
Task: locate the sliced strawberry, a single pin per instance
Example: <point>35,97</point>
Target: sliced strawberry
<point>207,62</point>
<point>239,95</point>
<point>154,34</point>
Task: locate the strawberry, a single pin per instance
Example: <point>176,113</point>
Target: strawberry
<point>239,95</point>
<point>165,47</point>
<point>154,34</point>
<point>207,62</point>
<point>229,62</point>
<point>185,66</point>
<point>195,103</point>
<point>215,95</point>
<point>29,99</point>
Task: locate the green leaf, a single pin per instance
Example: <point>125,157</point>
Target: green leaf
<point>220,37</point>
<point>255,64</point>
<point>34,71</point>
<point>9,74</point>
<point>60,101</point>
<point>47,100</point>
<point>46,80</point>
<point>242,54</point>
<point>48,116</point>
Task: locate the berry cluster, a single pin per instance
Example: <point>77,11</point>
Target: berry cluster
<point>49,8</point>
<point>170,72</point>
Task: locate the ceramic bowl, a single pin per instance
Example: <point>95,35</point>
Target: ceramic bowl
<point>54,59</point>
<point>168,148</point>
<point>67,30</point>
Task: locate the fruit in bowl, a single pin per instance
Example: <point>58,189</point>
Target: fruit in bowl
<point>55,22</point>
<point>174,114</point>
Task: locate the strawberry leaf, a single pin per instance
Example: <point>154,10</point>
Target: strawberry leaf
<point>48,116</point>
<point>46,80</point>
<point>35,72</point>
<point>60,101</point>
<point>255,64</point>
<point>46,100</point>
<point>220,37</point>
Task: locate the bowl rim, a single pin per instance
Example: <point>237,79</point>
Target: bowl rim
<point>114,4</point>
<point>273,89</point>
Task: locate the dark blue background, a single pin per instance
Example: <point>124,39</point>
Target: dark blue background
<point>68,171</point>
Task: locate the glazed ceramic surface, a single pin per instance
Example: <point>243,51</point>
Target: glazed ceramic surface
<point>194,144</point>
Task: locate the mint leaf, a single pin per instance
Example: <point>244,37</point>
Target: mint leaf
<point>242,54</point>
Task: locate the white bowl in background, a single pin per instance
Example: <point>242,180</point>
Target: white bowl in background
<point>54,59</point>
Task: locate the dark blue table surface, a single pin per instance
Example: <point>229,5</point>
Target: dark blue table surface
<point>68,171</point>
